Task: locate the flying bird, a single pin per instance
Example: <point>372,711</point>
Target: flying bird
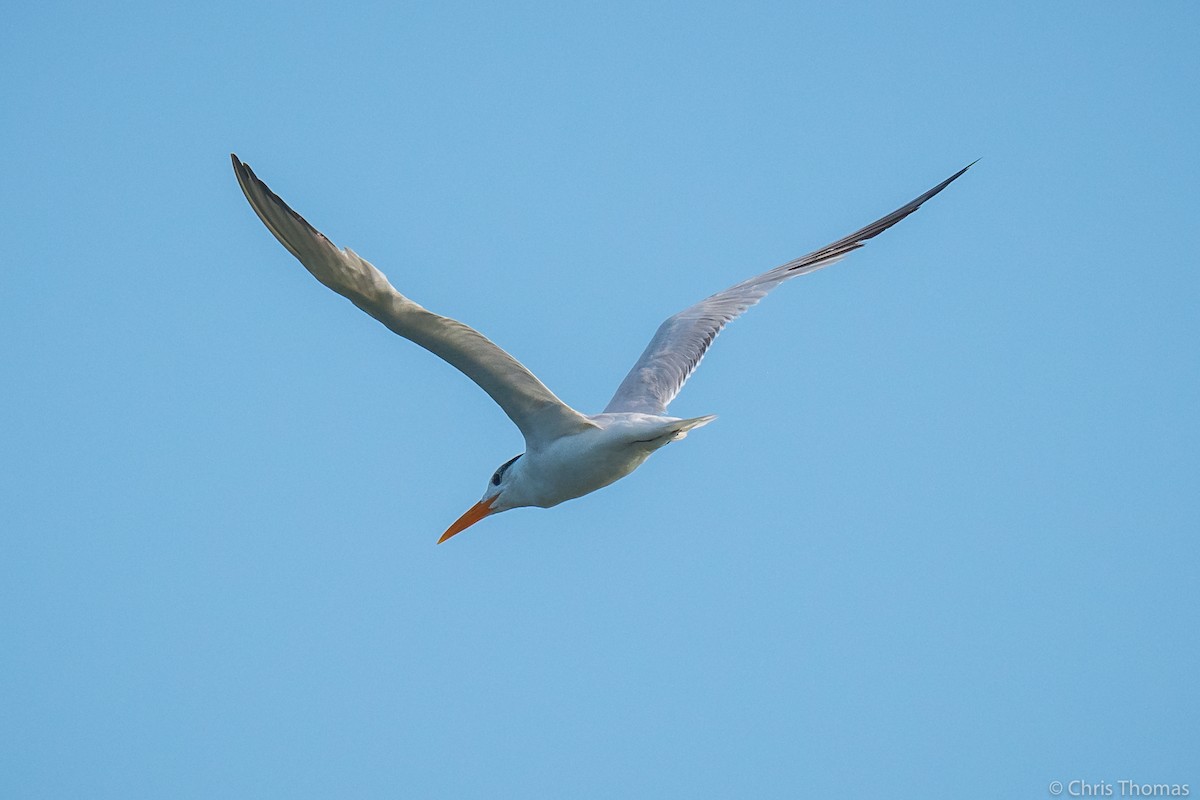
<point>567,454</point>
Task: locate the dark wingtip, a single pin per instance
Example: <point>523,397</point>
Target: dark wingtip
<point>856,240</point>
<point>239,167</point>
<point>956,175</point>
<point>949,180</point>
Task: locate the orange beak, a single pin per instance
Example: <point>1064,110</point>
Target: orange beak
<point>473,515</point>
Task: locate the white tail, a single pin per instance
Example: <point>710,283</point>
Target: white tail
<point>684,425</point>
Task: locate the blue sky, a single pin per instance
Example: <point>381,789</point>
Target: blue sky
<point>942,539</point>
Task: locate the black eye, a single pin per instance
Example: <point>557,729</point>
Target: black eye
<point>503,468</point>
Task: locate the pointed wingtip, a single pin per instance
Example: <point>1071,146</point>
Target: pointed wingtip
<point>900,213</point>
<point>954,177</point>
<point>961,171</point>
<point>239,167</point>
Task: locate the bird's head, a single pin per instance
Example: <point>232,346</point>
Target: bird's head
<point>498,496</point>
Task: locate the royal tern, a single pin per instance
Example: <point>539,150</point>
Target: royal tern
<point>567,454</point>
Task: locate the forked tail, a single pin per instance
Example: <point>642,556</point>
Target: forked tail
<point>682,427</point>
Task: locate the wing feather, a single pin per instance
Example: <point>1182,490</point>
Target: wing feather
<point>682,340</point>
<point>540,416</point>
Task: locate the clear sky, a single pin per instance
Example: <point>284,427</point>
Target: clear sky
<point>941,541</point>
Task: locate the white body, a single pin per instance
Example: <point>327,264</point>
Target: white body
<point>578,464</point>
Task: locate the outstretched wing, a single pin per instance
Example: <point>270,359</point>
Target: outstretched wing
<point>681,341</point>
<point>534,409</point>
